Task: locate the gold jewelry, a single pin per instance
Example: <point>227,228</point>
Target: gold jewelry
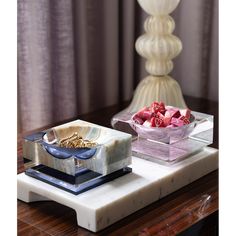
<point>76,141</point>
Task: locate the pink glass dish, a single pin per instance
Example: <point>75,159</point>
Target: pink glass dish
<point>166,135</point>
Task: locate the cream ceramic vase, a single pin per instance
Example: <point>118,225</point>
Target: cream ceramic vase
<point>158,46</point>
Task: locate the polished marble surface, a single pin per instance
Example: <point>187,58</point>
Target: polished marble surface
<point>106,204</point>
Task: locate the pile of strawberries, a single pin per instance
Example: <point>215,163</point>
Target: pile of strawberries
<point>159,115</point>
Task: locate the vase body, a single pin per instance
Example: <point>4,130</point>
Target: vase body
<point>158,46</point>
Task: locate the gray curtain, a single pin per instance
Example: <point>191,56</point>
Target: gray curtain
<point>76,56</point>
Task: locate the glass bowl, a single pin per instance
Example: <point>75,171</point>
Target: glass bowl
<point>110,152</point>
<point>51,142</point>
<point>166,135</point>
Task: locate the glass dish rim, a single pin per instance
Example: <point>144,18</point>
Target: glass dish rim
<point>132,122</point>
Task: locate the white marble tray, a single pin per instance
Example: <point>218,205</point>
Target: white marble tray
<point>108,203</point>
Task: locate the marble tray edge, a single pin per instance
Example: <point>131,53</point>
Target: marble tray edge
<point>28,192</point>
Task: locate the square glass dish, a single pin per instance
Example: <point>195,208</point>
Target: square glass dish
<point>111,149</point>
<point>167,145</point>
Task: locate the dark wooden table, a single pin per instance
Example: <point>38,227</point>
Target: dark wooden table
<point>178,213</point>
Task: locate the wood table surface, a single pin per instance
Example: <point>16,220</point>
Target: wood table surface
<point>181,212</point>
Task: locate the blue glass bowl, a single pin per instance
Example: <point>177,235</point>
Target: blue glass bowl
<point>50,144</point>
